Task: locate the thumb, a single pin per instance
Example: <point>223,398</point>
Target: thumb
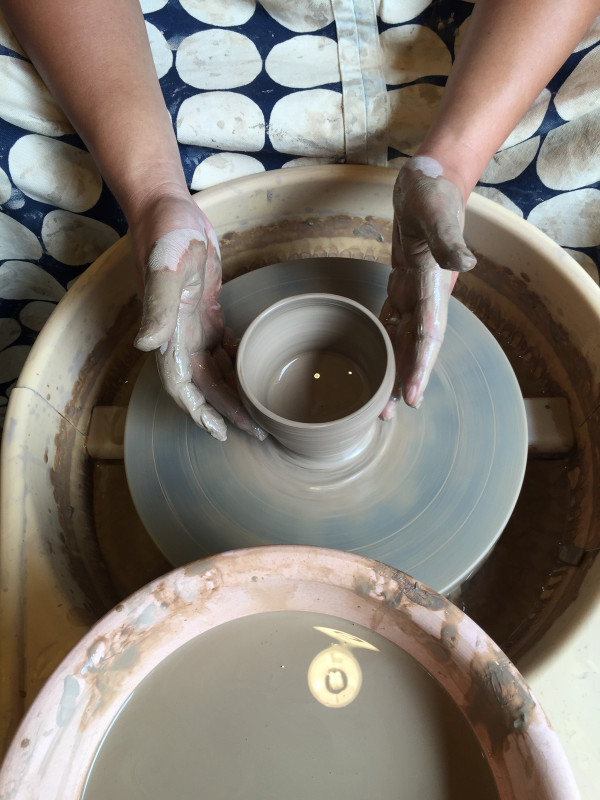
<point>172,263</point>
<point>162,297</point>
<point>447,243</point>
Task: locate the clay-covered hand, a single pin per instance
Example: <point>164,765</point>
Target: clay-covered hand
<point>182,318</point>
<point>428,252</point>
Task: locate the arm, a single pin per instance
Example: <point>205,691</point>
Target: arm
<point>511,50</point>
<point>95,57</point>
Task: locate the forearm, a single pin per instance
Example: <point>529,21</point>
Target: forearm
<point>95,57</point>
<point>510,52</point>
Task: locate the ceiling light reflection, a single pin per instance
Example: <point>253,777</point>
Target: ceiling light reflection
<point>334,677</point>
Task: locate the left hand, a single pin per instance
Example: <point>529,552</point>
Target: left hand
<point>428,251</point>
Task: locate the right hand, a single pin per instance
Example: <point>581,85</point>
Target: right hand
<point>178,254</point>
<point>428,252</point>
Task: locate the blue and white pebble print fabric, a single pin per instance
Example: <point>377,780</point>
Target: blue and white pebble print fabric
<point>254,86</point>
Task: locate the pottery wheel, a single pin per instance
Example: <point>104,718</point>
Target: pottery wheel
<point>429,496</point>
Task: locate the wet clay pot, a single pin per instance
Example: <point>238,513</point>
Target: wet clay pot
<point>56,744</point>
<point>315,371</point>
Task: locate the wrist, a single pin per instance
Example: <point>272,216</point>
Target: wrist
<point>164,208</point>
<point>154,189</point>
<point>458,162</point>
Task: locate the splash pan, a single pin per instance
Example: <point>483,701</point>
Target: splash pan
<point>222,648</point>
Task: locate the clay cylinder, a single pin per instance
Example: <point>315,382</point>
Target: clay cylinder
<point>315,371</point>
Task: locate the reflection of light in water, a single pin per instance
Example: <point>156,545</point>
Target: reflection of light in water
<point>349,639</point>
<point>334,675</point>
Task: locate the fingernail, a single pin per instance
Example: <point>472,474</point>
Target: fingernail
<point>388,411</point>
<point>242,420</point>
<point>260,434</point>
<point>412,397</point>
<point>144,341</point>
<point>255,430</point>
<point>213,423</point>
<point>466,261</point>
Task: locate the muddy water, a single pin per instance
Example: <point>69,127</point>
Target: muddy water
<point>289,705</point>
<point>318,386</point>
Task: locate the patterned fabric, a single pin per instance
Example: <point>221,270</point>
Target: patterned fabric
<point>253,86</point>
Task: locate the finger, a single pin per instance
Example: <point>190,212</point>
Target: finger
<point>402,340</point>
<point>211,312</point>
<point>448,246</point>
<point>398,259</point>
<point>416,353</point>
<point>225,366</point>
<point>230,343</point>
<point>443,223</point>
<point>430,253</point>
<point>177,381</point>
<point>430,320</point>
<point>390,409</point>
<point>225,356</point>
<point>416,334</point>
<point>213,271</point>
<point>211,321</point>
<point>202,413</point>
<point>220,395</point>
<point>173,360</point>
<point>395,317</point>
<point>175,371</point>
<point>427,347</point>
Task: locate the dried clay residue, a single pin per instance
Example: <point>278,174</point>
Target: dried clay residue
<point>71,480</point>
<point>338,235</point>
<point>392,587</point>
<point>165,610</point>
<point>558,498</point>
<point>499,701</point>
